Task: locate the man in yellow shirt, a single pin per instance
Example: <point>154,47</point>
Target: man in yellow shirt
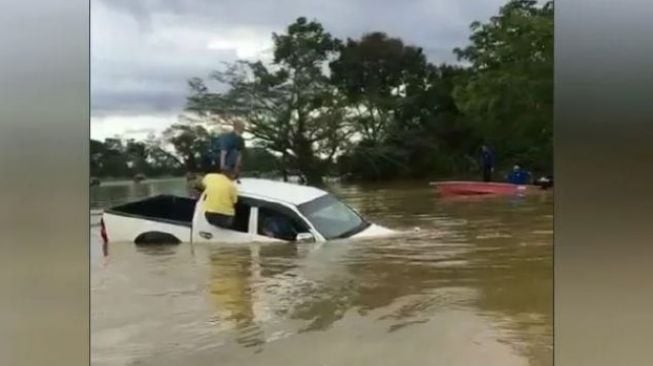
<point>220,197</point>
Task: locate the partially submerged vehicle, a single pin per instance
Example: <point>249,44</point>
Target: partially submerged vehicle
<point>313,215</point>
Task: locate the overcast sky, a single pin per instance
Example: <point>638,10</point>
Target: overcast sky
<point>144,51</point>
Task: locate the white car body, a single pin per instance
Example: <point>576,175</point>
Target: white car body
<point>149,218</point>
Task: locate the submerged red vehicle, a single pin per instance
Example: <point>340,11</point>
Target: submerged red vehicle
<point>470,188</point>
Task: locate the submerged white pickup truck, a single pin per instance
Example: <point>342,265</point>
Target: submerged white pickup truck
<point>310,214</point>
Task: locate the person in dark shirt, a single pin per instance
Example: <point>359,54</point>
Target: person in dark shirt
<point>519,176</point>
<point>231,146</point>
<point>487,163</point>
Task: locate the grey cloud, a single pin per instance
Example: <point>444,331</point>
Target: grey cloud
<point>136,103</point>
<point>139,131</point>
<point>137,9</point>
<point>152,78</point>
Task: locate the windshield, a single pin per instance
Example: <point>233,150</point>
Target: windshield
<point>332,218</point>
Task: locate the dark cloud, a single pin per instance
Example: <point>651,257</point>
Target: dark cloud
<point>144,51</point>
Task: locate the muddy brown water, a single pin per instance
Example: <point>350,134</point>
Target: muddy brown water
<point>469,283</point>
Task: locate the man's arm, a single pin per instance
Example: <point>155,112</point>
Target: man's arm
<point>198,186</point>
<point>234,193</point>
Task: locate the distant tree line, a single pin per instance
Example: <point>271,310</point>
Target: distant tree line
<point>179,150</point>
<point>376,108</point>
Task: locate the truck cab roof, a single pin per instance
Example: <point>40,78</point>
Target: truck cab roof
<point>278,191</point>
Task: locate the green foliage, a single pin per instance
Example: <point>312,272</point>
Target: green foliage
<point>508,93</point>
<point>115,158</point>
<point>373,74</point>
<point>426,135</point>
<point>382,112</point>
<point>290,107</point>
<point>260,160</point>
<point>192,144</point>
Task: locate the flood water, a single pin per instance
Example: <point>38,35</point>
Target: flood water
<point>470,283</point>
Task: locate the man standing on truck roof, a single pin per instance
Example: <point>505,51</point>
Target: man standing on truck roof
<point>231,146</point>
<point>220,197</point>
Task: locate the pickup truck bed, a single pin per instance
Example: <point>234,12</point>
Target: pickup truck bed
<point>164,208</point>
<point>159,219</point>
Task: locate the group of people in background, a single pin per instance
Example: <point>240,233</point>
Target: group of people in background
<point>517,175</point>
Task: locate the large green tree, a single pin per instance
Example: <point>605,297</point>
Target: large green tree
<point>428,135</point>
<point>114,159</point>
<point>403,110</point>
<point>290,106</point>
<point>508,93</point>
<point>159,160</point>
<point>373,74</point>
<point>191,143</point>
<point>137,156</point>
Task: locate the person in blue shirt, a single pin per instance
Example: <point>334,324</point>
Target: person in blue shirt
<point>487,163</point>
<point>519,176</point>
<point>228,149</point>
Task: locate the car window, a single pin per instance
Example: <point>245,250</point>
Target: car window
<point>332,218</point>
<point>277,224</point>
<point>241,220</point>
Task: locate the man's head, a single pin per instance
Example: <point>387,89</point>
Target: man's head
<point>239,127</point>
<point>516,167</point>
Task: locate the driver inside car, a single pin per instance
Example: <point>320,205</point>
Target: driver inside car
<point>278,227</point>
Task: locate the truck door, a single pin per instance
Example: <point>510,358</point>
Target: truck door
<point>202,231</point>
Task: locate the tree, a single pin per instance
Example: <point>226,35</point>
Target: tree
<point>159,160</point>
<point>261,160</point>
<point>191,144</point>
<point>97,152</point>
<point>137,156</point>
<point>508,93</point>
<point>373,74</point>
<point>114,161</point>
<point>290,106</point>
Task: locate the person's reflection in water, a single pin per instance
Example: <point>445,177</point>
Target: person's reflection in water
<point>235,274</point>
<point>231,291</point>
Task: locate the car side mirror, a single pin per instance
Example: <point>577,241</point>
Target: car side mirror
<point>305,238</point>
